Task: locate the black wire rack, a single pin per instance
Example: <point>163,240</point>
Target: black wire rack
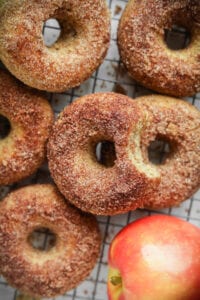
<point>110,76</point>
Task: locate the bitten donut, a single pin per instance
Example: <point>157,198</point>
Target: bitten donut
<point>53,272</point>
<point>30,116</point>
<point>144,52</point>
<point>72,59</point>
<point>133,181</point>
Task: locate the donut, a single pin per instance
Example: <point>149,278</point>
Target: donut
<point>69,261</point>
<point>133,181</point>
<point>30,117</point>
<point>145,54</point>
<point>176,122</point>
<point>72,59</point>
<point>89,185</point>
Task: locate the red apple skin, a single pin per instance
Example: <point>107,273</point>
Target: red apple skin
<point>158,258</point>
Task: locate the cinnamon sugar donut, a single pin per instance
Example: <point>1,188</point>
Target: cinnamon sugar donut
<point>145,54</point>
<point>69,261</point>
<point>72,59</point>
<point>178,123</point>
<point>23,150</point>
<point>133,181</point>
<point>71,152</point>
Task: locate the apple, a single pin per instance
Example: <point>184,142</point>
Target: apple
<point>155,258</point>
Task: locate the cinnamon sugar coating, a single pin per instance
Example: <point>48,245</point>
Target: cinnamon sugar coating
<point>72,59</point>
<point>71,152</point>
<point>53,272</point>
<point>31,118</point>
<point>145,54</point>
<point>133,181</point>
<point>178,123</point>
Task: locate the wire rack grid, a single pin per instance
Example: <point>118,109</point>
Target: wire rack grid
<point>110,76</point>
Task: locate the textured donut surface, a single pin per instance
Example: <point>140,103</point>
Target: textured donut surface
<point>72,59</point>
<point>73,165</point>
<point>53,272</point>
<point>145,54</point>
<point>176,122</point>
<point>133,181</point>
<point>23,150</point>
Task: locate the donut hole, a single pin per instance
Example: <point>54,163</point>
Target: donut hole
<point>159,150</point>
<point>177,37</point>
<point>51,32</point>
<point>42,239</point>
<point>55,32</point>
<point>5,127</point>
<point>105,153</point>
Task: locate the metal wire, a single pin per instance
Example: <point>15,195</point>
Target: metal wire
<point>107,77</point>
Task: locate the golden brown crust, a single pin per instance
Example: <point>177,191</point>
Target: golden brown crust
<point>133,181</point>
<point>146,55</point>
<point>45,274</point>
<point>72,59</point>
<point>31,118</point>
